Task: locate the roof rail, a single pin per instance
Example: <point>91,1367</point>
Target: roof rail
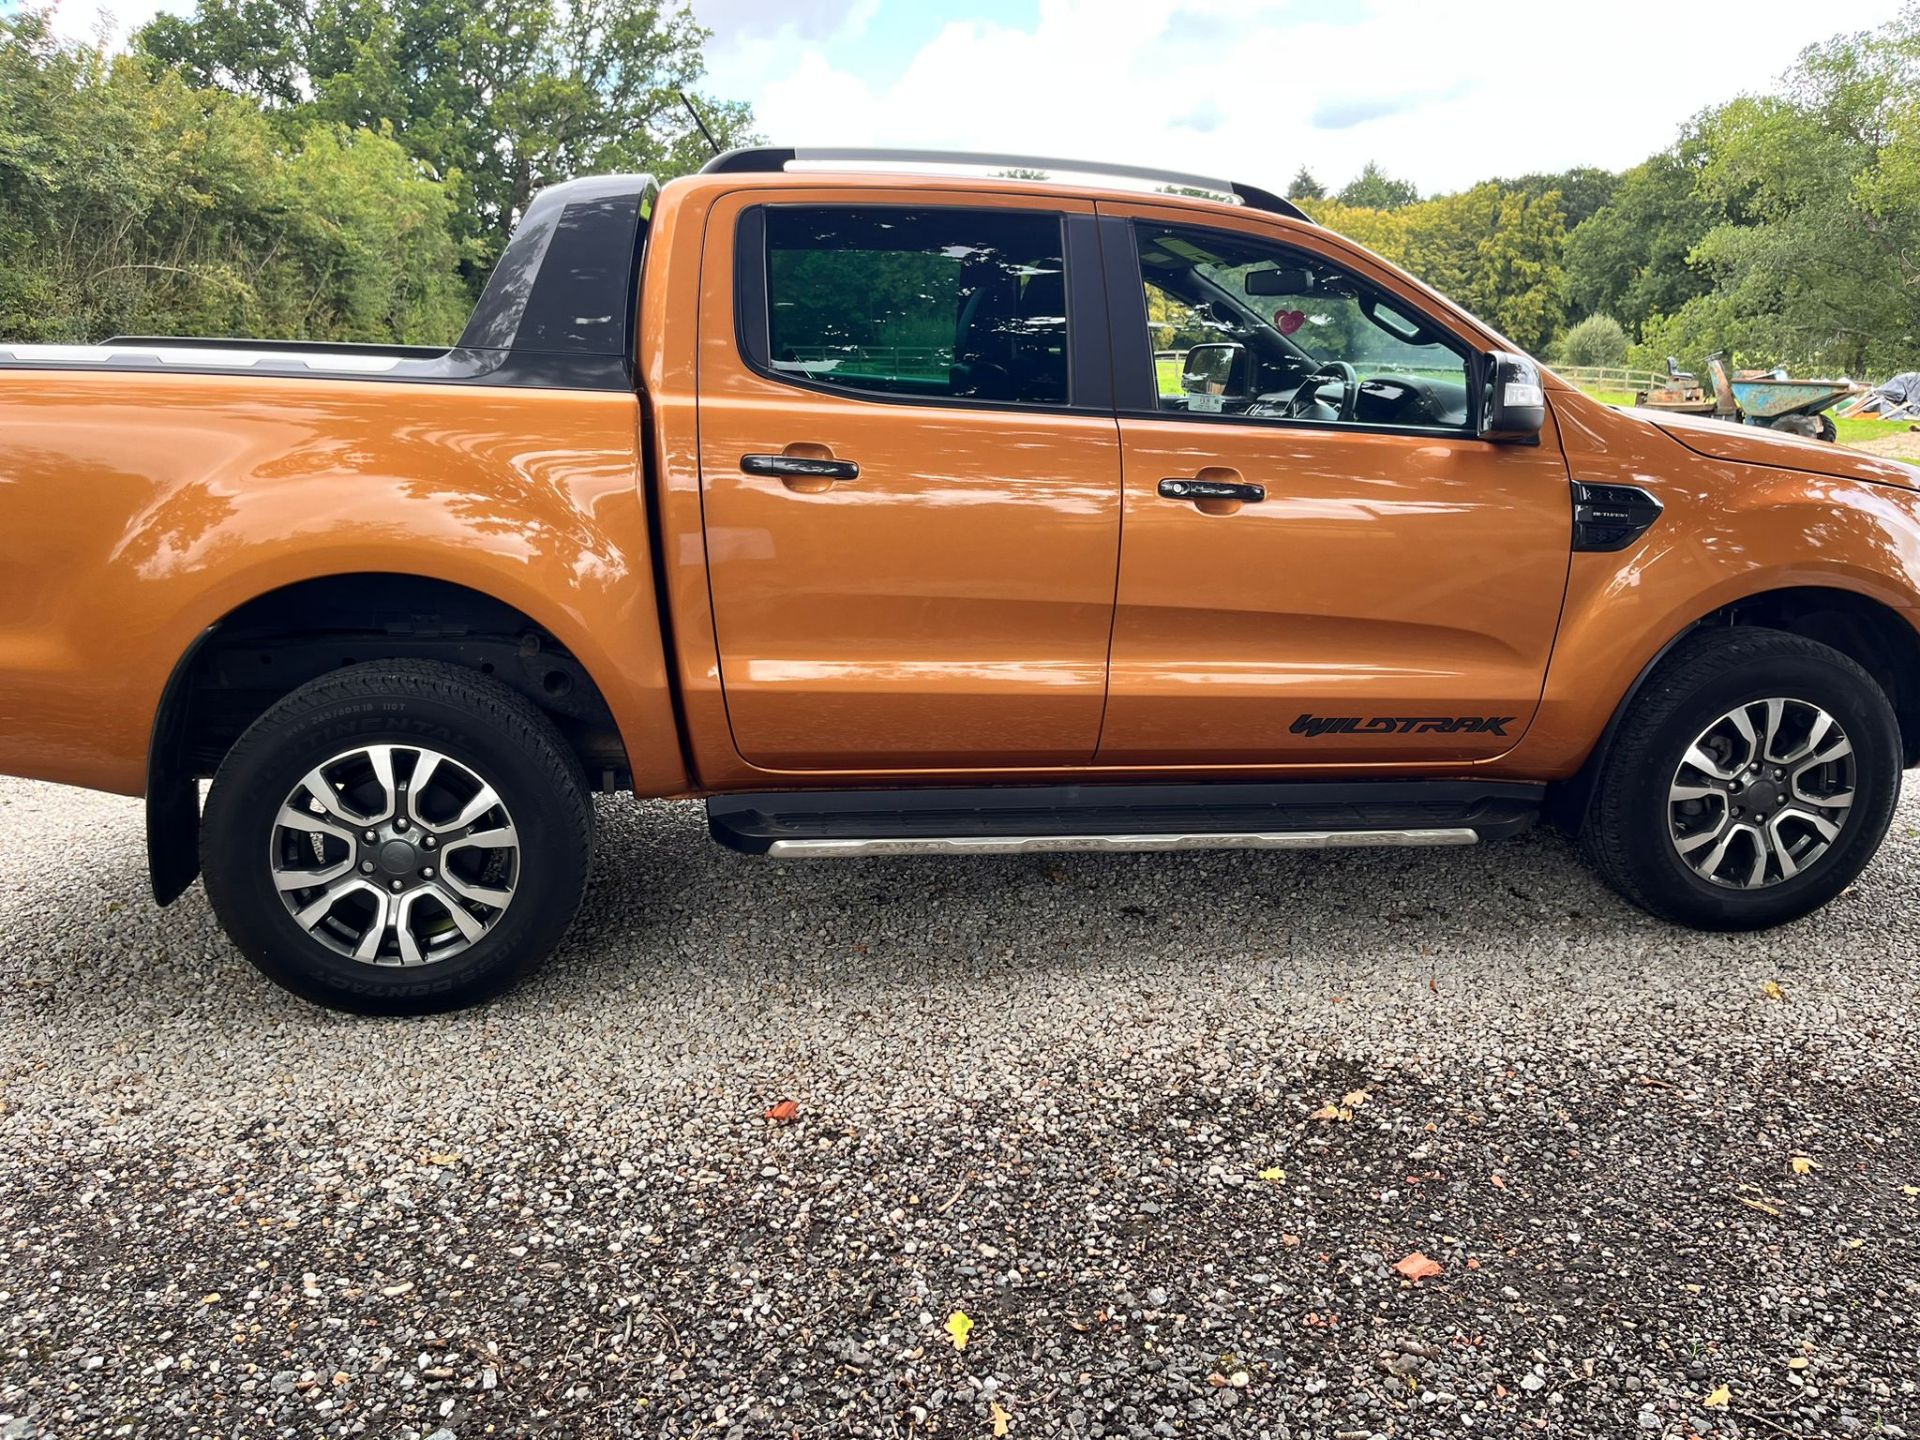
<point>763,158</point>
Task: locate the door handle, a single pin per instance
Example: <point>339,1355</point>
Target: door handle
<point>1216,490</point>
<point>1175,487</point>
<point>806,468</point>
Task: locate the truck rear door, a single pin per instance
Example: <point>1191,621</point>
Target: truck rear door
<point>910,477</point>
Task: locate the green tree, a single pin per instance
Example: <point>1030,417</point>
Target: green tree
<point>1305,187</point>
<point>1583,190</point>
<point>132,202</point>
<point>496,99</point>
<point>1374,189</point>
<point>1598,340</point>
<point>1629,259</point>
<point>1498,253</point>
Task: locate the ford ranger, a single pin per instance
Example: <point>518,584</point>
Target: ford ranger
<point>896,505</point>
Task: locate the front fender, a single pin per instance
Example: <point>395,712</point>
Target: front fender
<point>1729,533</point>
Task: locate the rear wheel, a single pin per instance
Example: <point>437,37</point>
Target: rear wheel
<point>1753,778</point>
<point>397,837</point>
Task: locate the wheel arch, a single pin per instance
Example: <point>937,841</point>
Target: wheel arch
<point>1866,630</point>
<point>280,638</point>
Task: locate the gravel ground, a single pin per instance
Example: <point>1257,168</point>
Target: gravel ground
<point>1160,1127</point>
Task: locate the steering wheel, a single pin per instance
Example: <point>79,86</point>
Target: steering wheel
<point>1307,398</point>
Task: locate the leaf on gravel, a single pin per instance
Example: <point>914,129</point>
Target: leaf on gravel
<point>959,1326</point>
<point>1801,1164</point>
<point>1719,1399</point>
<point>1773,991</point>
<point>1417,1267</point>
<point>1331,1112</point>
<point>1910,1191</point>
<point>1758,1205</point>
<point>442,1157</point>
<point>1001,1420</point>
<point>1354,1099</point>
<point>1273,1173</point>
<point>785,1113</point>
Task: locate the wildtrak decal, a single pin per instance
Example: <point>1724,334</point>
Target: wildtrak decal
<point>1312,725</point>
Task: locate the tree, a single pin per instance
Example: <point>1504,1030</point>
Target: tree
<point>132,202</point>
<point>1816,259</point>
<point>495,99</point>
<point>1629,259</point>
<point>1374,189</point>
<point>1598,340</point>
<point>1583,190</point>
<point>1495,251</point>
<point>1305,187</point>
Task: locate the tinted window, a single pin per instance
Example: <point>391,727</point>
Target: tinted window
<point>1244,326</point>
<point>935,303</point>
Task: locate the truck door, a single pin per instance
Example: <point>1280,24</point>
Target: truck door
<point>910,477</point>
<point>1322,564</point>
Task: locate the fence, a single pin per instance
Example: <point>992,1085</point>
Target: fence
<point>1609,377</point>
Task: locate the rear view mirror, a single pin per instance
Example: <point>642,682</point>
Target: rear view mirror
<point>1280,282</point>
<point>1214,370</point>
<point>1513,406</point>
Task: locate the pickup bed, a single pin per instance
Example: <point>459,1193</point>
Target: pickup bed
<point>901,508</point>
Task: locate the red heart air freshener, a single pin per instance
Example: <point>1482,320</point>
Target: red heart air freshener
<point>1288,321</point>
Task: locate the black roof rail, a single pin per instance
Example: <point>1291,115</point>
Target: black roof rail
<point>767,158</point>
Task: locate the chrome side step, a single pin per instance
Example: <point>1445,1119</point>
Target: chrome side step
<point>1032,819</point>
<point>821,849</point>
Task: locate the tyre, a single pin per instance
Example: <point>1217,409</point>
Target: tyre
<point>1829,429</point>
<point>1752,779</point>
<point>396,838</point>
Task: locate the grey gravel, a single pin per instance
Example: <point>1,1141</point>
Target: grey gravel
<point>1071,1097</point>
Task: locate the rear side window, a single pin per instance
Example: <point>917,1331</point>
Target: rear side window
<point>931,303</point>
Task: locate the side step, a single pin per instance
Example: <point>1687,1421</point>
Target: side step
<point>1022,819</point>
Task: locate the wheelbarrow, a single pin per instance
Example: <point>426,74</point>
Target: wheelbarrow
<point>1773,400</point>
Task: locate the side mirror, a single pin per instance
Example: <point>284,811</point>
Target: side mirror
<point>1214,370</point>
<point>1513,406</point>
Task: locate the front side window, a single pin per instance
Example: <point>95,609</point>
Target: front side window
<point>933,303</point>
<point>1245,327</point>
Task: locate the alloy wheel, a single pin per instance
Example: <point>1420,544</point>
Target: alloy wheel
<point>395,855</point>
<point>1762,793</point>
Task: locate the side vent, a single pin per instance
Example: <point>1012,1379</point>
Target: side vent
<point>1611,517</point>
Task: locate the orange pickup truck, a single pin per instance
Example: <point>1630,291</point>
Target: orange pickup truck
<point>897,506</point>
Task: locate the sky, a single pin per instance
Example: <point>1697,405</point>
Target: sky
<point>1439,92</point>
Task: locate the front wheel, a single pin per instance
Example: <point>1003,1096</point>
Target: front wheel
<point>1753,778</point>
<point>396,838</point>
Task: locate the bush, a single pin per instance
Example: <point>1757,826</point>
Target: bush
<point>1597,341</point>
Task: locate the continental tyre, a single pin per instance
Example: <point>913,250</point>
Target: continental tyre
<point>398,837</point>
<point>1753,778</point>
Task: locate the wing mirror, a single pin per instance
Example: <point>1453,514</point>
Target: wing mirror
<point>1214,370</point>
<point>1513,406</point>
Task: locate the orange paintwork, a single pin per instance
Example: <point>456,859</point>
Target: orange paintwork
<point>947,616</point>
<point>950,606</point>
<point>136,510</point>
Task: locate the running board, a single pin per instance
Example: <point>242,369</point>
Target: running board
<point>1030,819</point>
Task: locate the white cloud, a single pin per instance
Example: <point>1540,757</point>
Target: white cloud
<point>1439,93</point>
<point>1442,94</point>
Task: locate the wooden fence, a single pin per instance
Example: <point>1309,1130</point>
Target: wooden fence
<point>1609,377</point>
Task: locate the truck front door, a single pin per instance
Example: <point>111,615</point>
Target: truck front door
<point>910,478</point>
<point>1322,563</point>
